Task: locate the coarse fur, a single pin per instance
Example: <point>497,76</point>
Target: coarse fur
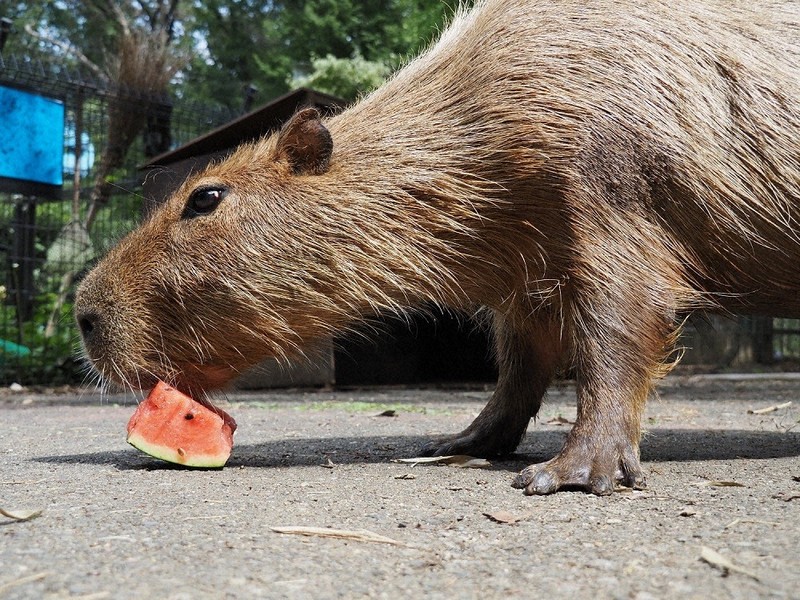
<point>586,170</point>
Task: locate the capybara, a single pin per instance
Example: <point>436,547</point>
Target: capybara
<point>587,171</point>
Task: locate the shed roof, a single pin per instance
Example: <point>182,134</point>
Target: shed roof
<point>250,126</point>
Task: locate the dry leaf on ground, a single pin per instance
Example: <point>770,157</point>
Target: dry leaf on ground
<point>787,496</point>
<point>715,559</point>
<point>22,581</point>
<point>559,420</point>
<point>769,409</point>
<point>712,483</point>
<point>458,460</point>
<point>20,515</point>
<point>502,516</point>
<point>356,535</point>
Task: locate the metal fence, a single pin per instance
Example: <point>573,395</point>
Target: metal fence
<point>786,339</point>
<point>45,245</point>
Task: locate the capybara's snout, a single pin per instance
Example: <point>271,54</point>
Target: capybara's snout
<point>96,313</point>
<point>119,339</point>
<point>90,324</point>
<point>94,323</point>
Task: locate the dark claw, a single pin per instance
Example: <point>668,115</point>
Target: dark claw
<point>437,448</point>
<point>535,483</point>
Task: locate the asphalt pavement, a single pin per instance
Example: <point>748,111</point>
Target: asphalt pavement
<point>313,505</point>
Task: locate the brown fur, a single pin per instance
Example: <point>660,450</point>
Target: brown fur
<point>586,170</point>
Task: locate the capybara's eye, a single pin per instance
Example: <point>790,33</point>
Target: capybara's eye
<point>203,201</point>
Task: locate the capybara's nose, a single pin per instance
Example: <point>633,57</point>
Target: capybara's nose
<point>88,324</point>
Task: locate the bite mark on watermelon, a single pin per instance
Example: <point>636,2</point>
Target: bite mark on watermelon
<point>174,427</point>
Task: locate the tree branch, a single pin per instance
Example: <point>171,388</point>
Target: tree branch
<point>100,73</point>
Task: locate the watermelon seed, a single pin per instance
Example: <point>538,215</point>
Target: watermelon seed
<point>181,452</point>
<point>188,416</point>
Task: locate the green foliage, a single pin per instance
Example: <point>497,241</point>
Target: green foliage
<point>51,356</point>
<point>230,34</point>
<point>345,78</point>
<point>270,46</point>
<point>90,27</point>
<point>31,353</point>
<point>122,215</point>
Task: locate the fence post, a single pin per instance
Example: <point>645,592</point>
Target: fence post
<point>21,259</point>
<point>761,332</point>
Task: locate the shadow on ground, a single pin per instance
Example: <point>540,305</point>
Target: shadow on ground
<point>659,446</point>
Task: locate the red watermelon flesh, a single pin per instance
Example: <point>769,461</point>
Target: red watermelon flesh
<point>171,426</point>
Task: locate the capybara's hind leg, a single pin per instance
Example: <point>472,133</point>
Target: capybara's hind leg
<point>528,356</point>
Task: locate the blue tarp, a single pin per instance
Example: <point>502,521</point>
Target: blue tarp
<point>31,137</point>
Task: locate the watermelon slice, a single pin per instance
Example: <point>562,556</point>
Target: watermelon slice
<point>171,426</point>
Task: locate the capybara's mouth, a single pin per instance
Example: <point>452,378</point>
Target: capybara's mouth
<point>195,380</point>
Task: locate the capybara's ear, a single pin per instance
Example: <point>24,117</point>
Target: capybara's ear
<point>305,143</point>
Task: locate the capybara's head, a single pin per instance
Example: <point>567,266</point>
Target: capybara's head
<point>216,278</point>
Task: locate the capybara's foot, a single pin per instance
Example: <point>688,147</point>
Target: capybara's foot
<point>579,467</point>
<point>475,442</point>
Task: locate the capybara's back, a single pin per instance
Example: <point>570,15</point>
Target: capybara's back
<point>587,171</point>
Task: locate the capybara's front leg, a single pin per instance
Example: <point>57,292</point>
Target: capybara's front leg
<point>528,356</point>
<point>600,453</point>
<point>618,351</point>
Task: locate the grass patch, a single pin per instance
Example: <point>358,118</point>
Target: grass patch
<point>348,406</point>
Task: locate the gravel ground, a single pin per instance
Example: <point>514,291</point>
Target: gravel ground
<point>118,524</point>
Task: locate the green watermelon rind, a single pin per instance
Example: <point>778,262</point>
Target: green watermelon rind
<point>171,455</point>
